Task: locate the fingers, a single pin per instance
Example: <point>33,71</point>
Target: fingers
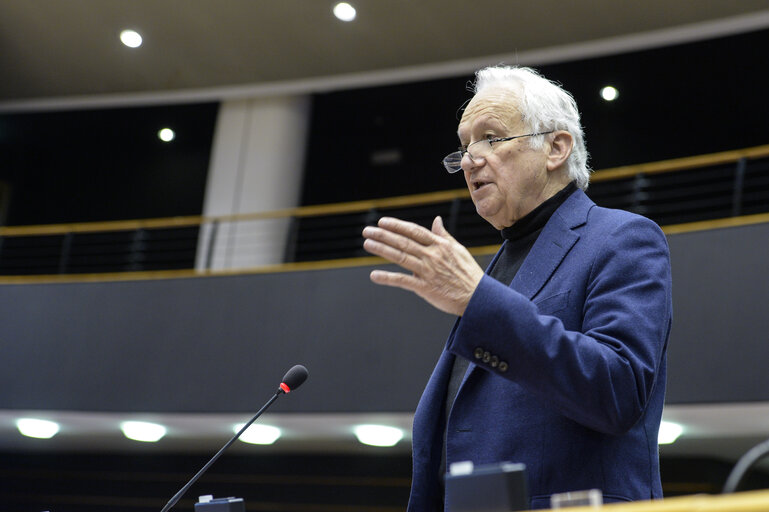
<point>442,271</point>
<point>390,253</point>
<point>439,229</point>
<point>393,239</point>
<point>407,236</point>
<point>404,243</point>
<point>405,281</point>
<point>407,229</point>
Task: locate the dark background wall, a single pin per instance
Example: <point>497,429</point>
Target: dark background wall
<point>108,164</point>
<point>674,102</point>
<point>144,482</point>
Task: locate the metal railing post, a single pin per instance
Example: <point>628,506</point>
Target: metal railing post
<point>289,254</point>
<point>66,247</point>
<point>456,203</point>
<point>739,184</point>
<point>211,246</point>
<point>639,196</point>
<point>135,258</point>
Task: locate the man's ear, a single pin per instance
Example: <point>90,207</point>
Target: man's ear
<point>560,149</point>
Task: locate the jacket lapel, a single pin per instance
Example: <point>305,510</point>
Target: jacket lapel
<point>553,244</point>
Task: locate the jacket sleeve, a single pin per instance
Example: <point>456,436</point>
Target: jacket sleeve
<point>602,374</point>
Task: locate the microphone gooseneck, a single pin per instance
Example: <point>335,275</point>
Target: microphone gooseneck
<point>292,380</point>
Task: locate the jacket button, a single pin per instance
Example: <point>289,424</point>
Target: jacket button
<point>478,353</point>
<point>502,366</point>
<point>494,361</point>
<point>486,357</point>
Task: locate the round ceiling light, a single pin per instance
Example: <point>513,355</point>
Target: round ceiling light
<point>166,135</point>
<point>378,435</point>
<point>258,434</point>
<point>344,11</point>
<point>669,432</point>
<point>609,93</point>
<point>143,431</point>
<point>131,38</point>
<point>40,429</point>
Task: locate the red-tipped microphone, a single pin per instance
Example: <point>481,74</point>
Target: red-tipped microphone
<point>293,378</point>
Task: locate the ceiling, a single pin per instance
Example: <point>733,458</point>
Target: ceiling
<point>51,49</point>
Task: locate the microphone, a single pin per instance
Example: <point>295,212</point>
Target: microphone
<point>293,378</point>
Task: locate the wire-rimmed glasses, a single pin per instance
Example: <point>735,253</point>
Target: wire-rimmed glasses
<point>480,149</point>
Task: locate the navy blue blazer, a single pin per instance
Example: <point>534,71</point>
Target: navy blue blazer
<point>567,370</point>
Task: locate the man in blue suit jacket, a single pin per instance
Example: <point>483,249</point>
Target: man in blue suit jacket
<point>557,359</point>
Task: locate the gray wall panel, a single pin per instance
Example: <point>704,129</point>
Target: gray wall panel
<point>719,347</point>
<point>217,343</point>
<point>221,344</point>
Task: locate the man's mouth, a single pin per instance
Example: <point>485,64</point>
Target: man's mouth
<point>478,184</point>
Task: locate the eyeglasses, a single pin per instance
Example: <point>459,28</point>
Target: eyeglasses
<point>480,149</point>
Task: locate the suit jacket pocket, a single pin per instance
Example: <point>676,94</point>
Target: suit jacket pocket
<point>553,303</point>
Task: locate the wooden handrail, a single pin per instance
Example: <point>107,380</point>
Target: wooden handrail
<point>706,225</point>
<point>677,164</point>
<point>95,227</point>
<point>175,222</point>
<point>681,164</point>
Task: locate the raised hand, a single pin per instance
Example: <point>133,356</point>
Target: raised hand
<point>443,272</point>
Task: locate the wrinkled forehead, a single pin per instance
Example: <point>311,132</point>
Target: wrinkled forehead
<point>495,106</point>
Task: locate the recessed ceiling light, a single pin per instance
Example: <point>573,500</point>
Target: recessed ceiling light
<point>143,431</point>
<point>669,432</point>
<point>378,435</point>
<point>609,93</point>
<point>166,135</point>
<point>344,11</point>
<point>40,429</point>
<point>258,434</point>
<point>131,38</point>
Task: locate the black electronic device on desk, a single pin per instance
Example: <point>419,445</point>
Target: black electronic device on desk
<point>489,488</point>
<point>211,504</point>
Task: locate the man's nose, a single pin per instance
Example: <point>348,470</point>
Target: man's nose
<point>468,162</point>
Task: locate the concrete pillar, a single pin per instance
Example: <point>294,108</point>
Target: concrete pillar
<point>257,162</point>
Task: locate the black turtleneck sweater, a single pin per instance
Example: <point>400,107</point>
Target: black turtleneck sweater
<point>519,239</point>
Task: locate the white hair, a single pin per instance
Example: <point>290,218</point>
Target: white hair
<point>543,105</point>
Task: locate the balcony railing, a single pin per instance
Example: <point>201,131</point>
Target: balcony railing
<point>726,185</point>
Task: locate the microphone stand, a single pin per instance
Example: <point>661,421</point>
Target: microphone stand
<point>176,497</point>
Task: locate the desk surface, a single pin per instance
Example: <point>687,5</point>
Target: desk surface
<point>753,501</point>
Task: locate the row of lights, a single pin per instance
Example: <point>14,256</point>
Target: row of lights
<point>342,10</point>
<point>373,435</point>
<point>608,93</point>
<point>133,39</point>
